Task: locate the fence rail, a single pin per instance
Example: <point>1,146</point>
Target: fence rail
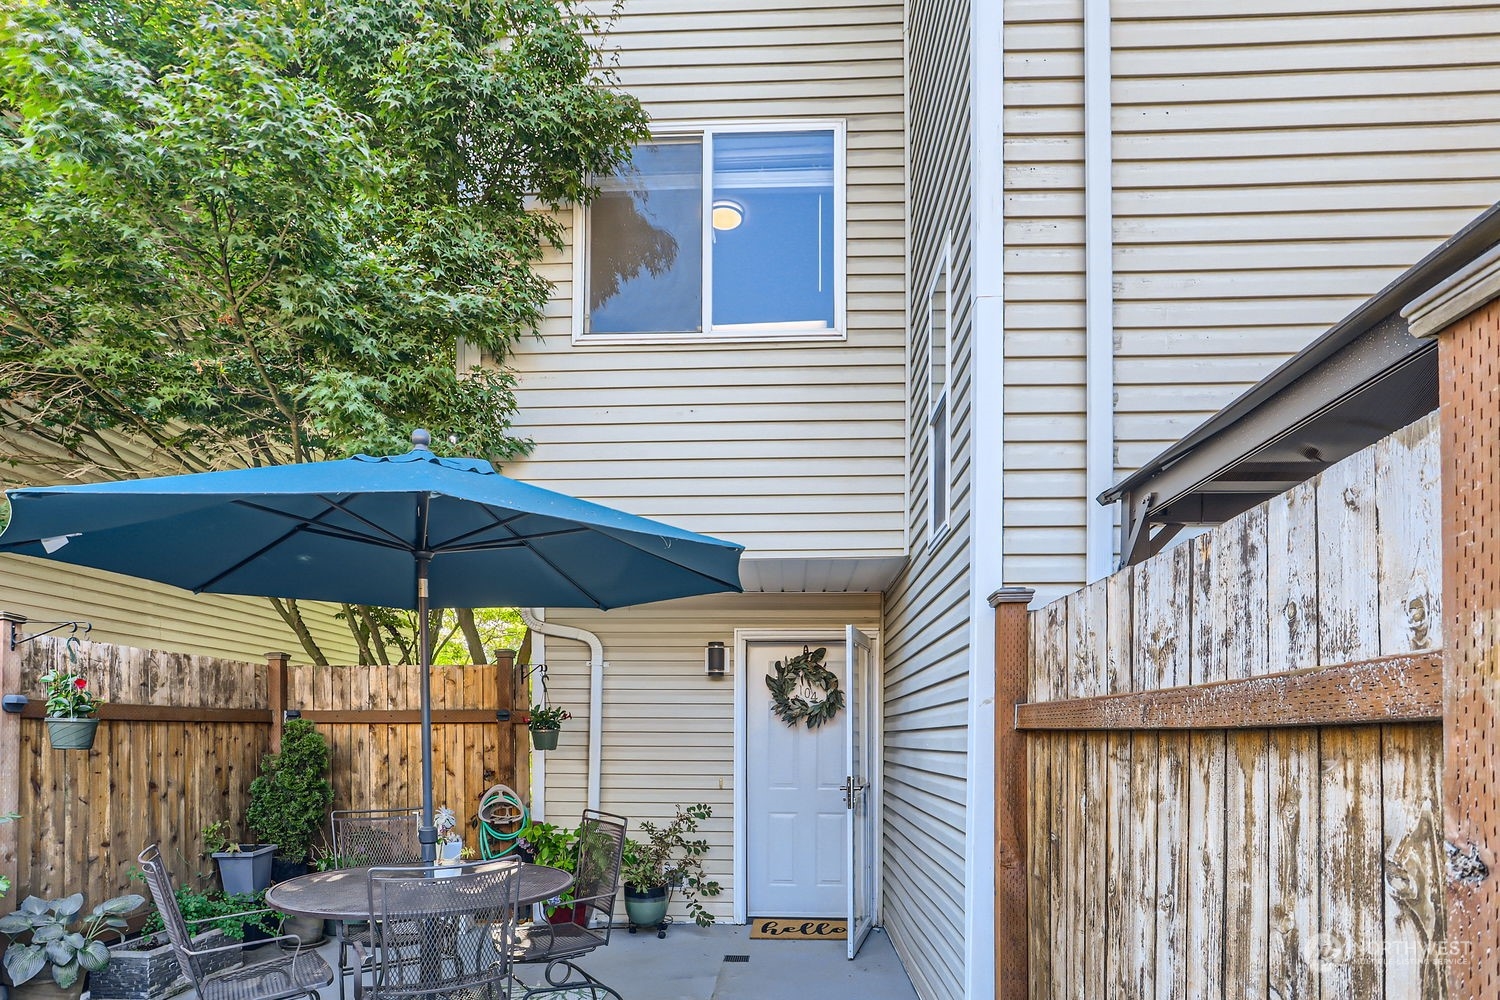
<point>181,737</point>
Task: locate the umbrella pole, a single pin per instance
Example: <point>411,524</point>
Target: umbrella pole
<point>427,832</point>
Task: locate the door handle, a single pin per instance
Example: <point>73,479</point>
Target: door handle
<point>852,788</point>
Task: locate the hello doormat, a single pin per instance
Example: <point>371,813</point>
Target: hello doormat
<point>798,929</point>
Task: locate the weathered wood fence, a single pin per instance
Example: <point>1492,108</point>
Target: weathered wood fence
<point>181,738</point>
<point>1234,755</point>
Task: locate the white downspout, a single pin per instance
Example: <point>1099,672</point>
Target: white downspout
<point>533,619</point>
<point>1099,295</point>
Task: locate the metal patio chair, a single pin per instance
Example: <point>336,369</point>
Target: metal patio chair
<point>596,883</point>
<point>443,931</point>
<point>365,837</point>
<point>300,973</point>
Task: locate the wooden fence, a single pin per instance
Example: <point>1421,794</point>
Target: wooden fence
<point>182,736</point>
<point>1234,755</point>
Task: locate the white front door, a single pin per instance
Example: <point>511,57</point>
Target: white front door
<point>795,864</point>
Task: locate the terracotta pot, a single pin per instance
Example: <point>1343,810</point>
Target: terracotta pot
<point>569,914</point>
<point>41,987</point>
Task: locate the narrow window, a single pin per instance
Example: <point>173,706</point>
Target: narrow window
<point>939,438</point>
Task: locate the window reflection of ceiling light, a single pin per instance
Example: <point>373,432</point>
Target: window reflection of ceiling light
<point>727,214</point>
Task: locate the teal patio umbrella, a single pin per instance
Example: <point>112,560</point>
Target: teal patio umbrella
<point>406,531</point>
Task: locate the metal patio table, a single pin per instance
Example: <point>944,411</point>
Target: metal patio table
<point>344,894</point>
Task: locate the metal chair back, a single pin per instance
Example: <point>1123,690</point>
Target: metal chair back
<point>364,837</point>
<point>596,870</point>
<point>443,930</point>
<point>164,894</point>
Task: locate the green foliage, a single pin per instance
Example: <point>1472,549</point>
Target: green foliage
<point>50,932</point>
<point>217,910</point>
<point>68,696</point>
<point>543,718</point>
<point>254,231</point>
<point>8,817</point>
<point>289,800</point>
<point>216,838</point>
<point>667,857</point>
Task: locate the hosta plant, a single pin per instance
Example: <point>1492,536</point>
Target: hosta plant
<point>50,932</point>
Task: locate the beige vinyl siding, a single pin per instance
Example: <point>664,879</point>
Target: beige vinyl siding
<point>132,612</point>
<point>793,449</point>
<point>1044,295</point>
<point>926,620</point>
<point>668,728</point>
<point>1274,168</point>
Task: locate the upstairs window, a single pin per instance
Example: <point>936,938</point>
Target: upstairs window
<point>724,233</point>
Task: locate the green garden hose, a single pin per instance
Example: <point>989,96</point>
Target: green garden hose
<point>501,808</point>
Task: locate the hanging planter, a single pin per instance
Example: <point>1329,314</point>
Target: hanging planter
<point>545,723</point>
<point>71,708</point>
<point>71,734</point>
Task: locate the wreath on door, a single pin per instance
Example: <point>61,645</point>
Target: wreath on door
<point>803,690</point>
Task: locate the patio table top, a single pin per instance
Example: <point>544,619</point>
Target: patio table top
<point>344,894</point>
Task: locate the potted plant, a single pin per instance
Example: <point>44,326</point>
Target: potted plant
<point>244,869</point>
<point>289,800</point>
<point>145,967</point>
<point>450,841</point>
<point>545,723</point>
<point>51,932</point>
<point>71,711</point>
<point>555,847</point>
<point>668,859</point>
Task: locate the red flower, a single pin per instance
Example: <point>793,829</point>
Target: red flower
<point>80,683</point>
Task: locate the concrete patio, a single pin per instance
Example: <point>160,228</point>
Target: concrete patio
<point>722,963</point>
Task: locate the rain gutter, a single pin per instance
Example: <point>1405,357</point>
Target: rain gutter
<point>533,619</point>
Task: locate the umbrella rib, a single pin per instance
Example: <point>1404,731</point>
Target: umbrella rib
<point>526,543</point>
<point>503,543</point>
<point>199,588</point>
<point>396,540</point>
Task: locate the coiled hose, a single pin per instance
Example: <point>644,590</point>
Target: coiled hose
<point>501,808</point>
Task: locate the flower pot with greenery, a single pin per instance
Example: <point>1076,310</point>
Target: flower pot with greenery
<point>71,711</point>
<point>289,800</point>
<point>51,932</point>
<point>668,859</point>
<point>555,847</point>
<point>146,968</point>
<point>244,869</point>
<point>545,723</point>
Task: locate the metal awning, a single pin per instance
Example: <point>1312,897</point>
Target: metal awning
<point>1363,379</point>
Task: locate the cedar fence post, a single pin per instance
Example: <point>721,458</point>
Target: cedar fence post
<point>10,749</point>
<point>1469,407</point>
<point>1012,663</point>
<point>507,769</point>
<point>276,694</point>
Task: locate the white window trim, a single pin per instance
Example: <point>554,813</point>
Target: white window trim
<point>937,521</point>
<point>840,330</point>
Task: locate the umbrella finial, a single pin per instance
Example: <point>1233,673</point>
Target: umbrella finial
<point>421,440</point>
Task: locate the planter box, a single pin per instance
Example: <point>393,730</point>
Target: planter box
<point>246,871</point>
<point>154,974</point>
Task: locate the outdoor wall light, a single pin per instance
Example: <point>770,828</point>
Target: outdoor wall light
<point>727,215</point>
<point>15,704</point>
<point>713,659</point>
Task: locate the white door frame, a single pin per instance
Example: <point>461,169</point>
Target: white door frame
<point>830,636</point>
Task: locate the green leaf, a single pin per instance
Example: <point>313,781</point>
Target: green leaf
<point>22,962</point>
